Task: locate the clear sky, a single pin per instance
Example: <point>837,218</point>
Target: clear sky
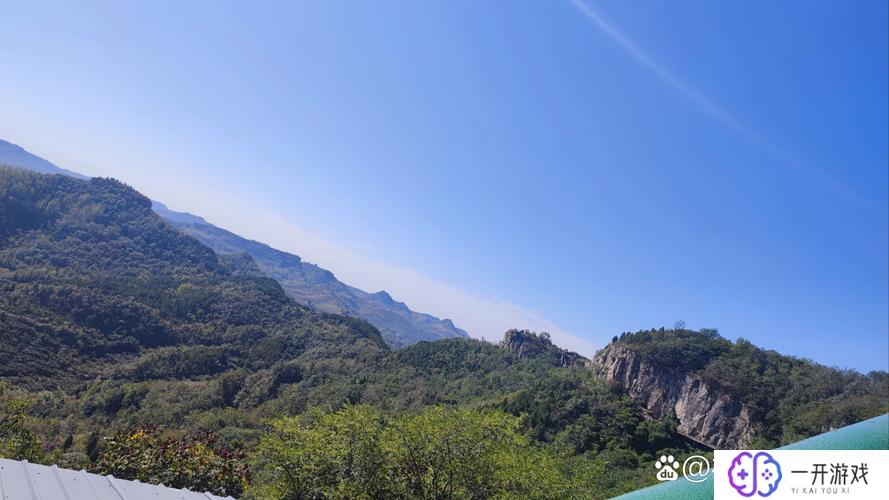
<point>585,167</point>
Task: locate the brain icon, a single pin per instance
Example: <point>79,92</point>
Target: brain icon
<point>754,474</point>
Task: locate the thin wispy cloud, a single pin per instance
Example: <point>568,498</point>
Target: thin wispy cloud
<point>717,112</point>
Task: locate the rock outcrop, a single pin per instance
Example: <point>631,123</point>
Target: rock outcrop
<point>527,345</point>
<point>705,414</point>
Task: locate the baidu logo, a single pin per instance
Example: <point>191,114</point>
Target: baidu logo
<point>751,474</point>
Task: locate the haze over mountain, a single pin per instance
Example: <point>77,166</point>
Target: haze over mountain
<point>15,155</point>
<point>305,282</point>
<point>319,288</point>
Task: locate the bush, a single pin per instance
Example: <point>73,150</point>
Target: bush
<point>194,462</point>
<point>17,441</point>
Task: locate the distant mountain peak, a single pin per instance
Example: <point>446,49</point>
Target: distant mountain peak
<point>181,217</point>
<point>319,288</point>
<point>384,296</point>
<point>14,155</point>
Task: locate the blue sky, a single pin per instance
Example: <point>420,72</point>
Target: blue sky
<point>585,167</point>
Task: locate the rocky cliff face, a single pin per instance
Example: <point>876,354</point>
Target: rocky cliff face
<point>704,414</point>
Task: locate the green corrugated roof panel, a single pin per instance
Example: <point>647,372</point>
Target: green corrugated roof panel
<point>871,434</point>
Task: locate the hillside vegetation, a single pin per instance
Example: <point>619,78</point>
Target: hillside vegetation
<point>126,345</point>
<point>93,279</point>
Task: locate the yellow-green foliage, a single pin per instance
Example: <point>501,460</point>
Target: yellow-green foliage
<point>441,452</point>
<point>17,441</point>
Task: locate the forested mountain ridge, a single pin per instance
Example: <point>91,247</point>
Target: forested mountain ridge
<point>307,283</point>
<point>319,288</point>
<point>91,277</point>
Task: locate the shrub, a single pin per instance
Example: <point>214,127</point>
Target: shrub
<point>194,462</point>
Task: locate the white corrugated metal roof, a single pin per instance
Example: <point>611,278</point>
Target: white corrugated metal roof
<point>26,481</point>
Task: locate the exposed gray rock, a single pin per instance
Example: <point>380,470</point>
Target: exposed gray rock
<point>526,344</point>
<point>705,415</point>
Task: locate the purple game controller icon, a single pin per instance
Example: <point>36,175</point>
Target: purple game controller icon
<point>751,474</point>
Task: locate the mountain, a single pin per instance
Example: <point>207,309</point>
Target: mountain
<point>13,155</point>
<point>112,321</point>
<point>730,395</point>
<point>319,288</point>
<point>111,318</point>
<point>93,278</point>
<point>307,283</point>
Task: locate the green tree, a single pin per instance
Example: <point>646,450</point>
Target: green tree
<point>324,455</point>
<point>438,453</point>
<point>16,440</point>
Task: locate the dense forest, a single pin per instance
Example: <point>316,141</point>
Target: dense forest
<point>127,347</point>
